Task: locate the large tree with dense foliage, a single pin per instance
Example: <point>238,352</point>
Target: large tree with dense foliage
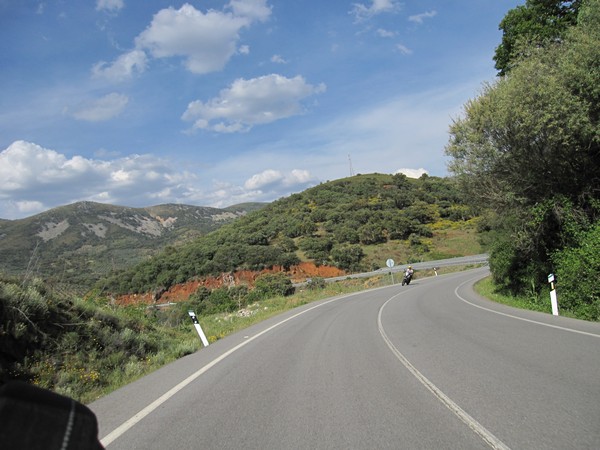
<point>529,148</point>
<point>536,24</point>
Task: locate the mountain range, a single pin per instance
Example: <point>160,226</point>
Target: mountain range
<point>84,241</point>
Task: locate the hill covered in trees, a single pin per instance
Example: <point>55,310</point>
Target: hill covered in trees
<point>354,224</point>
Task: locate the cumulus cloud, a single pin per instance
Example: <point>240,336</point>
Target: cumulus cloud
<point>109,5</point>
<point>123,67</point>
<point>418,18</point>
<point>206,41</point>
<point>263,179</point>
<point>251,102</point>
<point>269,182</point>
<point>412,173</point>
<point>104,108</point>
<point>362,11</point>
<point>298,177</point>
<point>36,178</point>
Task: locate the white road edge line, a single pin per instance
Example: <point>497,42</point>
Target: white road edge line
<point>128,424</point>
<point>479,429</point>
<point>571,330</point>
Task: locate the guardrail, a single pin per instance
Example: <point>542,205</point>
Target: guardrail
<point>458,261</point>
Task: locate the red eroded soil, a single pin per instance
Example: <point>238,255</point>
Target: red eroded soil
<point>181,292</point>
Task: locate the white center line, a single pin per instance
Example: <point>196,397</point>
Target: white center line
<point>479,429</point>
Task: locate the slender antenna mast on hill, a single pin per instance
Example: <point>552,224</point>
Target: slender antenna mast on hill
<point>350,162</point>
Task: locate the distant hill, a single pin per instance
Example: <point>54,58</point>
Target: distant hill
<point>82,242</point>
<point>353,224</point>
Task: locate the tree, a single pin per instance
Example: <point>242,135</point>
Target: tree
<point>535,24</point>
<point>534,134</point>
<point>316,248</point>
<point>371,233</point>
<point>577,268</point>
<point>271,285</point>
<point>528,147</point>
<point>347,257</point>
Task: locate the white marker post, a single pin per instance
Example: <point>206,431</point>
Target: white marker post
<point>198,328</point>
<point>553,300</point>
<point>390,263</point>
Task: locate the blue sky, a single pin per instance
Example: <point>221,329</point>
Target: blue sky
<point>213,103</point>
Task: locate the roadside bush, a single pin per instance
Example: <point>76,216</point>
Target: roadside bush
<point>272,285</point>
<point>72,346</point>
<point>577,270</point>
<point>316,283</point>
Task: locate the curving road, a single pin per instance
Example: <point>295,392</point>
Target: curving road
<point>430,365</point>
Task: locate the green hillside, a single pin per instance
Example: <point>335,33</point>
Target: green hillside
<point>84,347</point>
<point>354,224</point>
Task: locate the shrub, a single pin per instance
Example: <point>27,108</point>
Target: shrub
<point>316,283</point>
<point>577,270</point>
<point>348,257</point>
<point>273,285</point>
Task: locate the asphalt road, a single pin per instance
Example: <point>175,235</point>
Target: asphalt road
<point>430,366</point>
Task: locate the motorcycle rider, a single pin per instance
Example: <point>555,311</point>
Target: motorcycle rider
<point>408,273</point>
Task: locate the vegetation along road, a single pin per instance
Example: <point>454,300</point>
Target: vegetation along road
<point>430,365</point>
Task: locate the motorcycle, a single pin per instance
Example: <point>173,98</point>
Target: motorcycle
<point>407,277</point>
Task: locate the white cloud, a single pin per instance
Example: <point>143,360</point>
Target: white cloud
<point>251,102</point>
<point>278,59</point>
<point>109,5</point>
<point>412,173</point>
<point>123,67</point>
<point>276,179</point>
<point>298,177</point>
<point>418,18</point>
<point>252,9</point>
<point>361,11</point>
<point>206,41</point>
<point>36,178</point>
<point>403,49</point>
<point>385,33</point>
<point>104,108</point>
<point>263,179</point>
<point>270,184</point>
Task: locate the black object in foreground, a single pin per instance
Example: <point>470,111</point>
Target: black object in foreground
<point>34,418</point>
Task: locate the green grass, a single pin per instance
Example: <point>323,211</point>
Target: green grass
<point>450,239</point>
<point>106,347</point>
<point>486,288</point>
